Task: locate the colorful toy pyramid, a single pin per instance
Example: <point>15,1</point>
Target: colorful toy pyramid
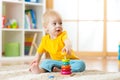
<point>65,68</point>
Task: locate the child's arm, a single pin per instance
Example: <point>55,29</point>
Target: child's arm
<point>68,46</point>
<point>37,58</point>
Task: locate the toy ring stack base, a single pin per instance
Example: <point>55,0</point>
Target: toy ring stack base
<point>66,73</point>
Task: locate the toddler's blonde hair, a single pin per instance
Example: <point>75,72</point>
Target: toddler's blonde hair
<point>48,15</point>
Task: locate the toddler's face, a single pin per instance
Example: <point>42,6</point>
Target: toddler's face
<point>54,26</point>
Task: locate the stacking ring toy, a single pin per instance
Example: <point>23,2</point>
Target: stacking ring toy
<point>65,70</point>
<point>66,67</point>
<point>66,73</point>
<point>65,63</point>
<point>65,60</point>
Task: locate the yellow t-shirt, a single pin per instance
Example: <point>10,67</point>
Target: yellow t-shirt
<point>54,47</point>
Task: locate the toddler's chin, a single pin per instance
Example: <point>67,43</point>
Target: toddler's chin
<point>58,33</point>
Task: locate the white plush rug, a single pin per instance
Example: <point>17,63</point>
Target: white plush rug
<point>20,72</point>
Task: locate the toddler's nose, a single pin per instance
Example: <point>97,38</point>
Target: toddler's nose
<point>58,25</point>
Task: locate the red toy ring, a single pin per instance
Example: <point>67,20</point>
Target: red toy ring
<point>65,70</point>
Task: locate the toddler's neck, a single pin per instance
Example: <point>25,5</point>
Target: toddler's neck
<point>53,37</point>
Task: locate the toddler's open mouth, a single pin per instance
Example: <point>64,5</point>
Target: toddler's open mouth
<point>58,30</point>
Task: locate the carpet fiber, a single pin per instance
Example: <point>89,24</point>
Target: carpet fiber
<point>20,72</point>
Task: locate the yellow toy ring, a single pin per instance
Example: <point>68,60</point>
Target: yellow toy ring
<point>65,60</point>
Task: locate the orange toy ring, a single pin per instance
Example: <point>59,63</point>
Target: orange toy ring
<point>63,69</point>
<point>66,67</point>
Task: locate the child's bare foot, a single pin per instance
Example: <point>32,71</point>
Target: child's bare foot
<point>35,69</point>
<point>55,69</point>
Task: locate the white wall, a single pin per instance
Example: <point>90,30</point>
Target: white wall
<point>84,21</point>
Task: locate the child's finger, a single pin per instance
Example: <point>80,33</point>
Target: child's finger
<point>63,50</point>
<point>33,62</point>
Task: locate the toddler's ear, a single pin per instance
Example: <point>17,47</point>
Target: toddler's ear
<point>46,30</point>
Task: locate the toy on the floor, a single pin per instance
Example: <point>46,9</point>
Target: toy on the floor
<point>65,68</point>
<point>51,77</point>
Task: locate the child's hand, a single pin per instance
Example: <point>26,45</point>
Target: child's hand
<point>68,46</point>
<point>34,61</point>
<point>66,50</point>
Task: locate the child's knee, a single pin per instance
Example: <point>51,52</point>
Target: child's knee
<point>78,66</point>
<point>47,65</point>
<point>46,62</point>
<point>82,66</point>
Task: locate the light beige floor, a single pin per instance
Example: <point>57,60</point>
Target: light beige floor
<point>109,64</point>
<point>92,63</point>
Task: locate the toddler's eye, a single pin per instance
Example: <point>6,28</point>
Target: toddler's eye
<point>60,23</point>
<point>54,23</point>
